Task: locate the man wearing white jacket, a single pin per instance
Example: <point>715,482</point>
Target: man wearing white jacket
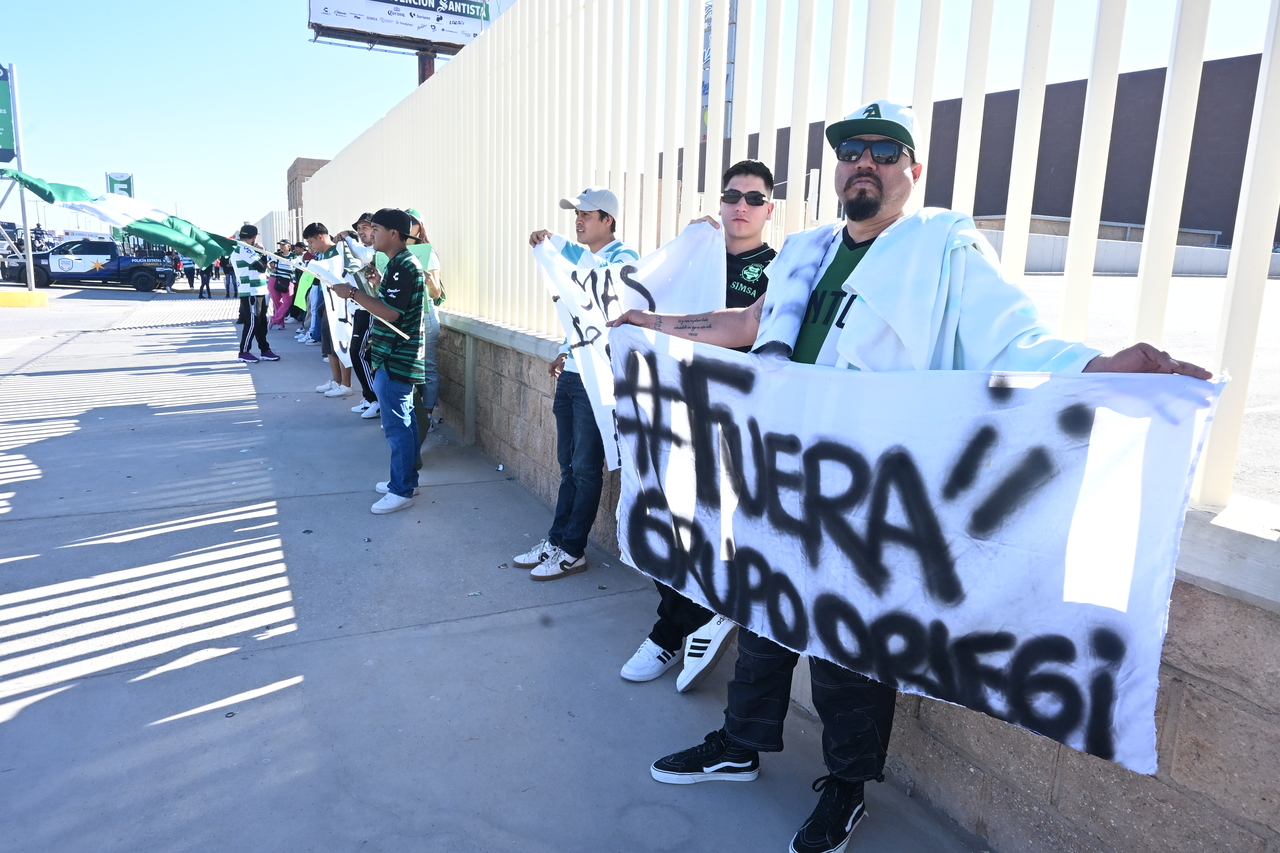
<point>884,291</point>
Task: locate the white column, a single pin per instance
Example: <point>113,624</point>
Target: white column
<point>841,20</point>
<point>692,113</point>
<point>1169,175</point>
<point>715,101</point>
<point>1026,140</point>
<point>797,156</point>
<point>969,143</point>
<point>767,152</point>
<point>877,58</point>
<point>655,59</point>
<point>922,91</point>
<point>742,79</point>
<point>1091,167</point>
<point>637,69</point>
<point>671,125</point>
<point>599,113</point>
<point>1246,274</point>
<point>621,128</point>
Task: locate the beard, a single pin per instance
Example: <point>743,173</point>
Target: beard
<point>863,204</point>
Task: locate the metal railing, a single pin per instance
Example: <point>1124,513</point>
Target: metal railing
<point>562,94</point>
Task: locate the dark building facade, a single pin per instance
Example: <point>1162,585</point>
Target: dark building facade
<point>1219,140</point>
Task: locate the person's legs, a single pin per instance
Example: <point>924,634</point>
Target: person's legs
<point>245,322</point>
<point>562,408</point>
<point>260,322</point>
<point>431,384</point>
<point>678,617</point>
<point>857,720</point>
<point>359,366</point>
<point>229,285</point>
<point>401,431</point>
<point>759,693</point>
<point>585,459</point>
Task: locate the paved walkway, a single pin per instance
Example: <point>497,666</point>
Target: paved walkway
<point>208,643</point>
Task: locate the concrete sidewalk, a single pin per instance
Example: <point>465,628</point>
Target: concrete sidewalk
<point>207,642</point>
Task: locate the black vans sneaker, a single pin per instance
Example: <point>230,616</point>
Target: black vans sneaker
<point>840,810</point>
<point>715,759</point>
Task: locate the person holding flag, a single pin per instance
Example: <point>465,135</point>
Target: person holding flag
<point>337,258</point>
<point>579,448</point>
<point>281,285</point>
<point>251,268</point>
<point>395,352</point>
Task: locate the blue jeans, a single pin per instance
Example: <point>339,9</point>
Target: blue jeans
<point>581,455</point>
<point>431,384</point>
<point>395,399</point>
<point>856,712</point>
<point>316,300</point>
<point>229,283</point>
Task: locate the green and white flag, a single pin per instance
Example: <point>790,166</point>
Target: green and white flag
<point>132,217</point>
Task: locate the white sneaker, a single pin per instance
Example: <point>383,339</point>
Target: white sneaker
<point>338,391</point>
<point>703,650</point>
<point>533,557</point>
<point>374,411</point>
<point>326,387</point>
<point>384,488</point>
<point>649,662</point>
<point>390,503</point>
<point>558,565</point>
<point>310,343</point>
<point>361,406</point>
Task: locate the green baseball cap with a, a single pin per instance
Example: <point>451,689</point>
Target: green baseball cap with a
<point>878,118</point>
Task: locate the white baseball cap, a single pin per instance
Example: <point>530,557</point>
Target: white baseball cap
<point>593,198</point>
<point>878,118</point>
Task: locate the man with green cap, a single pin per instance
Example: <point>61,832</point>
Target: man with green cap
<point>883,290</point>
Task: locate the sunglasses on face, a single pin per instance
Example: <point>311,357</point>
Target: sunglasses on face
<point>883,151</point>
<point>755,199</point>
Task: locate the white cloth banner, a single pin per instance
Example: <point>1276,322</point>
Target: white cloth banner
<point>1004,542</point>
<point>339,313</point>
<point>685,276</point>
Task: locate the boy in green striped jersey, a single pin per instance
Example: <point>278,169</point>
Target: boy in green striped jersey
<point>396,352</point>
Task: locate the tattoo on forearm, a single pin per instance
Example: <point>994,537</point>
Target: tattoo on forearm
<point>657,323</point>
<point>759,309</point>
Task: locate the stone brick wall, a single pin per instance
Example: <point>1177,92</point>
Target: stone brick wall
<point>1218,727</point>
<point>1218,716</point>
<point>514,424</point>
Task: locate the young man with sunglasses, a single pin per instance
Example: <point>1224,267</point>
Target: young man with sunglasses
<point>685,628</point>
<point>579,448</point>
<point>882,291</point>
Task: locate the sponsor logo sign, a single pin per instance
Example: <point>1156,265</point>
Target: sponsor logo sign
<point>8,146</point>
<point>446,21</point>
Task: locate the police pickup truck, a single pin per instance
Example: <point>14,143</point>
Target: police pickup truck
<point>94,261</point>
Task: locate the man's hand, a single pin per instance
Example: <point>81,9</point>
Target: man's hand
<point>556,367</point>
<point>634,317</point>
<point>345,291</point>
<point>538,236</point>
<point>342,235</point>
<point>374,277</point>
<point>1144,358</point>
<point>710,220</point>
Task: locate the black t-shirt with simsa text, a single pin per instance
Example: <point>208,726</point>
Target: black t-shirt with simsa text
<point>746,281</point>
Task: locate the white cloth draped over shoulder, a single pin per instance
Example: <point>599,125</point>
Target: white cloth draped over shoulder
<point>931,297</point>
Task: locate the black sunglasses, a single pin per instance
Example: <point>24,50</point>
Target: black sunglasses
<point>755,199</point>
<point>883,151</point>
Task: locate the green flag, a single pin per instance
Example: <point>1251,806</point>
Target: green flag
<point>52,193</point>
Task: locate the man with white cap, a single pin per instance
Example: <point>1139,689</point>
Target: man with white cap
<point>579,448</point>
<point>882,291</point>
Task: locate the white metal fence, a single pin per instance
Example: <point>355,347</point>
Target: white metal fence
<point>561,94</point>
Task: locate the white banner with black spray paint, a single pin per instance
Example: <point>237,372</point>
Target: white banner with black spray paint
<point>685,276</point>
<point>339,312</point>
<point>1005,542</point>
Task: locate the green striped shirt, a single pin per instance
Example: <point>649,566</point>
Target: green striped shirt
<point>404,288</point>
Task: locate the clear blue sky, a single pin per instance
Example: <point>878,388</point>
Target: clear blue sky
<point>208,104</point>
